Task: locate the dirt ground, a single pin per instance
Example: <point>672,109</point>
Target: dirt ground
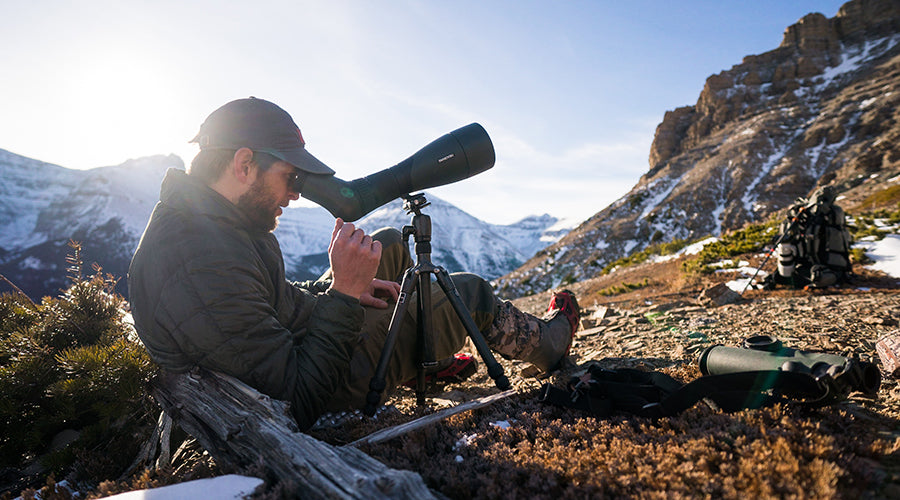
<point>521,448</point>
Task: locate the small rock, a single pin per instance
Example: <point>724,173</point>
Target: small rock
<point>718,295</point>
<point>64,438</point>
<point>888,348</point>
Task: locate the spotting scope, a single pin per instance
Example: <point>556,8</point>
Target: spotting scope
<point>764,352</point>
<point>457,155</point>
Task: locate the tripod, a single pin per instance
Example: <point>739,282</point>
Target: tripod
<point>418,277</point>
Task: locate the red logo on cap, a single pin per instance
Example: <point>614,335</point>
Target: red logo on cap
<point>302,142</point>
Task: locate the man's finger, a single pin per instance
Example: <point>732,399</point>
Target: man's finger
<point>338,223</point>
<point>373,302</point>
<point>394,290</point>
<point>348,229</point>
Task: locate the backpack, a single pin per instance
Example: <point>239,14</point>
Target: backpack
<point>814,243</point>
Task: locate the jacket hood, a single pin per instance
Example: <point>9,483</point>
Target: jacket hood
<point>183,192</point>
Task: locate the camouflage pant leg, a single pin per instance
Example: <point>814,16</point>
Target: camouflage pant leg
<point>449,336</point>
<point>514,334</point>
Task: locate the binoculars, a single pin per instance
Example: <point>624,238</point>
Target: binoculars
<point>766,353</point>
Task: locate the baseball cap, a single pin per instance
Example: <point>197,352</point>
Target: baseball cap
<point>261,126</point>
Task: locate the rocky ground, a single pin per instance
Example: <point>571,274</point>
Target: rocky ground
<point>521,448</point>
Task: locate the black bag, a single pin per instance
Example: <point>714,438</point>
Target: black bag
<point>604,392</point>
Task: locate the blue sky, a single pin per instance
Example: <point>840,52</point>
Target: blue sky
<point>570,92</point>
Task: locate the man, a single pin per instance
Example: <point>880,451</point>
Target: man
<point>208,288</point>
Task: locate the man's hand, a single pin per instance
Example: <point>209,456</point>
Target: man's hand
<point>354,259</point>
<point>380,288</point>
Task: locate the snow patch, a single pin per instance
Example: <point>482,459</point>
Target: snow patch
<point>692,249</point>
<point>501,424</point>
<point>854,57</point>
<point>748,280</point>
<point>885,253</point>
<point>222,487</point>
<point>750,197</point>
<point>465,441</point>
<point>653,202</point>
<point>34,263</point>
<point>868,102</point>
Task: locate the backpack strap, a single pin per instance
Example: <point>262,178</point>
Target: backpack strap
<point>749,390</point>
<point>653,394</point>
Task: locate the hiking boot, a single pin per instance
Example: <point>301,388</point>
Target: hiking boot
<point>564,302</point>
<point>543,342</point>
<point>449,371</point>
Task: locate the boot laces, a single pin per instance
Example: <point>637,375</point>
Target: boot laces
<point>564,301</point>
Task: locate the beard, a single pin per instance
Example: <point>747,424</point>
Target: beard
<point>260,206</point>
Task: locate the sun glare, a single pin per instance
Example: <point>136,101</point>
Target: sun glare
<point>117,105</point>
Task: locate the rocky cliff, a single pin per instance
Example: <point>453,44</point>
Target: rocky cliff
<point>819,109</point>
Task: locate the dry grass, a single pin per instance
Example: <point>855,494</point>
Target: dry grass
<point>553,453</point>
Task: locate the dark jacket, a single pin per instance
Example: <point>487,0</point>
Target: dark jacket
<point>208,290</point>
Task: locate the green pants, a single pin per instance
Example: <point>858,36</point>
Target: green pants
<point>449,332</point>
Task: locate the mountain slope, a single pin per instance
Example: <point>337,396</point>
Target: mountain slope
<point>819,109</point>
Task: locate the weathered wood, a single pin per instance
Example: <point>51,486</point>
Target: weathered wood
<point>241,427</point>
<point>399,430</point>
<point>159,441</point>
<point>165,440</point>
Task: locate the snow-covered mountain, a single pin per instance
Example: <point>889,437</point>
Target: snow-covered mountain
<point>462,242</point>
<point>43,206</point>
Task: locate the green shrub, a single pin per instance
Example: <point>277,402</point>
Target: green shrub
<point>858,256</point>
<point>752,238</point>
<point>623,288</point>
<point>886,197</point>
<point>638,257</point>
<point>72,363</point>
<point>863,224</point>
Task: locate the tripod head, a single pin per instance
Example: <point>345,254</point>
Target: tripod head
<point>420,226</point>
<point>414,203</point>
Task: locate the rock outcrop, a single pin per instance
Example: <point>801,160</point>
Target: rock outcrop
<point>822,108</point>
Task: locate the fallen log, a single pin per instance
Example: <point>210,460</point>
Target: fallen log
<point>240,427</point>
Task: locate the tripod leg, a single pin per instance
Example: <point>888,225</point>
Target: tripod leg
<point>495,371</point>
<point>424,331</point>
<point>377,384</point>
